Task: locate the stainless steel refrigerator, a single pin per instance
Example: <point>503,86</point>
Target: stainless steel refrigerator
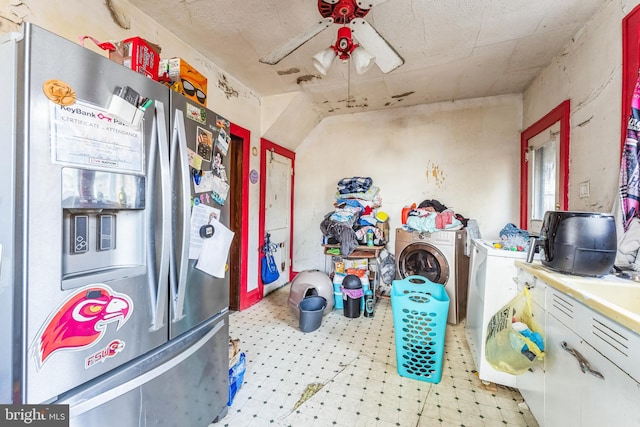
<point>103,304</point>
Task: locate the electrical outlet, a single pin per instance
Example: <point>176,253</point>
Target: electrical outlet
<point>584,189</point>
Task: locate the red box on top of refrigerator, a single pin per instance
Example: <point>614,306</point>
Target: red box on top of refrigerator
<point>139,55</point>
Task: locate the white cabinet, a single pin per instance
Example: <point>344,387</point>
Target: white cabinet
<point>563,391</point>
<point>611,400</point>
<point>582,387</point>
<point>590,373</point>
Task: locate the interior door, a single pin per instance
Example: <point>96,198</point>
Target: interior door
<point>277,213</point>
<point>277,166</point>
<point>239,149</point>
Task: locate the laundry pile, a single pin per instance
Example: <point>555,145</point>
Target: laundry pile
<point>355,219</point>
<point>431,215</point>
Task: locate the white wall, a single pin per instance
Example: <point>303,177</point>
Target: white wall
<point>74,18</point>
<point>588,73</point>
<point>464,154</point>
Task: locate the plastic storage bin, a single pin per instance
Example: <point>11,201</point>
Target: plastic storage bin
<point>337,292</point>
<point>236,377</point>
<point>420,308</point>
<point>338,296</point>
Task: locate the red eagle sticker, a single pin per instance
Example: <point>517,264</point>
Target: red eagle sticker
<point>81,321</point>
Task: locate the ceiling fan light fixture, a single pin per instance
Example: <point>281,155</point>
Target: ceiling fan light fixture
<point>362,60</point>
<point>323,60</point>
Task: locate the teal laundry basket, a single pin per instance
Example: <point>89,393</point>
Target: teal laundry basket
<point>420,308</point>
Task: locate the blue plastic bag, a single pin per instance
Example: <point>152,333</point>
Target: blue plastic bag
<point>236,377</point>
<point>268,268</point>
<point>270,271</point>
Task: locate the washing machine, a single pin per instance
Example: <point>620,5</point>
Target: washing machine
<point>440,257</point>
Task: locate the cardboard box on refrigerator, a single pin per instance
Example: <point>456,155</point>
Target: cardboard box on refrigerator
<point>183,78</point>
<point>139,55</point>
<point>135,52</point>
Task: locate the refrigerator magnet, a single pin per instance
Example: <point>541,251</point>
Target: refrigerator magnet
<point>216,162</point>
<point>222,123</point>
<point>205,143</point>
<point>221,142</point>
<point>59,92</point>
<point>197,176</point>
<point>195,160</point>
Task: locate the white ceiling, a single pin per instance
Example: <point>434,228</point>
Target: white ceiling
<point>453,49</point>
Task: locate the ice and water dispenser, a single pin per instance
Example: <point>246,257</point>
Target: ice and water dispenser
<point>103,226</point>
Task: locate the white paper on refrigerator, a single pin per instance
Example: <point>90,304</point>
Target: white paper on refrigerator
<point>215,250</point>
<point>200,215</point>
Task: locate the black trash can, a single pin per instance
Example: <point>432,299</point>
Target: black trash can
<point>352,295</point>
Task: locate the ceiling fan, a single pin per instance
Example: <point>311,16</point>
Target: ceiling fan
<point>349,13</point>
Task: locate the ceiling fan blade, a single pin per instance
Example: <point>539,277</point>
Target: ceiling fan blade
<point>287,48</point>
<point>387,59</point>
<point>368,4</point>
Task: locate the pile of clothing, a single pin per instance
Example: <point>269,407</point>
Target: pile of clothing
<point>356,204</point>
<point>431,215</point>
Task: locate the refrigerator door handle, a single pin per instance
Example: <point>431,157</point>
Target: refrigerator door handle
<point>160,283</point>
<point>180,174</point>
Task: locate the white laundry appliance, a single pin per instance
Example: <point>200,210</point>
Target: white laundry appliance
<point>440,257</point>
<point>491,286</point>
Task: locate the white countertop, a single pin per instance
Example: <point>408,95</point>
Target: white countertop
<point>611,296</point>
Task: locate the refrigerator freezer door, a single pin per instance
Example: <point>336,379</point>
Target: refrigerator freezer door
<point>198,158</point>
<point>183,383</point>
<point>84,312</point>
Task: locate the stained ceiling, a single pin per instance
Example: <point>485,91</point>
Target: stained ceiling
<point>453,49</point>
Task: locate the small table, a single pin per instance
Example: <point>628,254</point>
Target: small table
<point>371,253</point>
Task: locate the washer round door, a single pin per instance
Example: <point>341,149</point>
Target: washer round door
<point>422,259</point>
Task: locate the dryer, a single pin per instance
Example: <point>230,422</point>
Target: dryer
<point>440,257</point>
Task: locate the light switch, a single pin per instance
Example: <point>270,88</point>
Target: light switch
<point>584,189</point>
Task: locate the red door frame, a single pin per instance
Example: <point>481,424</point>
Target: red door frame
<point>561,113</point>
<point>246,298</point>
<point>265,146</point>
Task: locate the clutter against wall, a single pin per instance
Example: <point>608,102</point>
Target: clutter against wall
<point>469,151</point>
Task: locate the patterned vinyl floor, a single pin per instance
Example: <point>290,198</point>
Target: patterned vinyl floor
<point>344,374</point>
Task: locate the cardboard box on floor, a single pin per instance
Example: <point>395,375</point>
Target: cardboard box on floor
<point>183,78</point>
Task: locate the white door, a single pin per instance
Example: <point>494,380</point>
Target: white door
<point>543,155</point>
<point>278,214</point>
